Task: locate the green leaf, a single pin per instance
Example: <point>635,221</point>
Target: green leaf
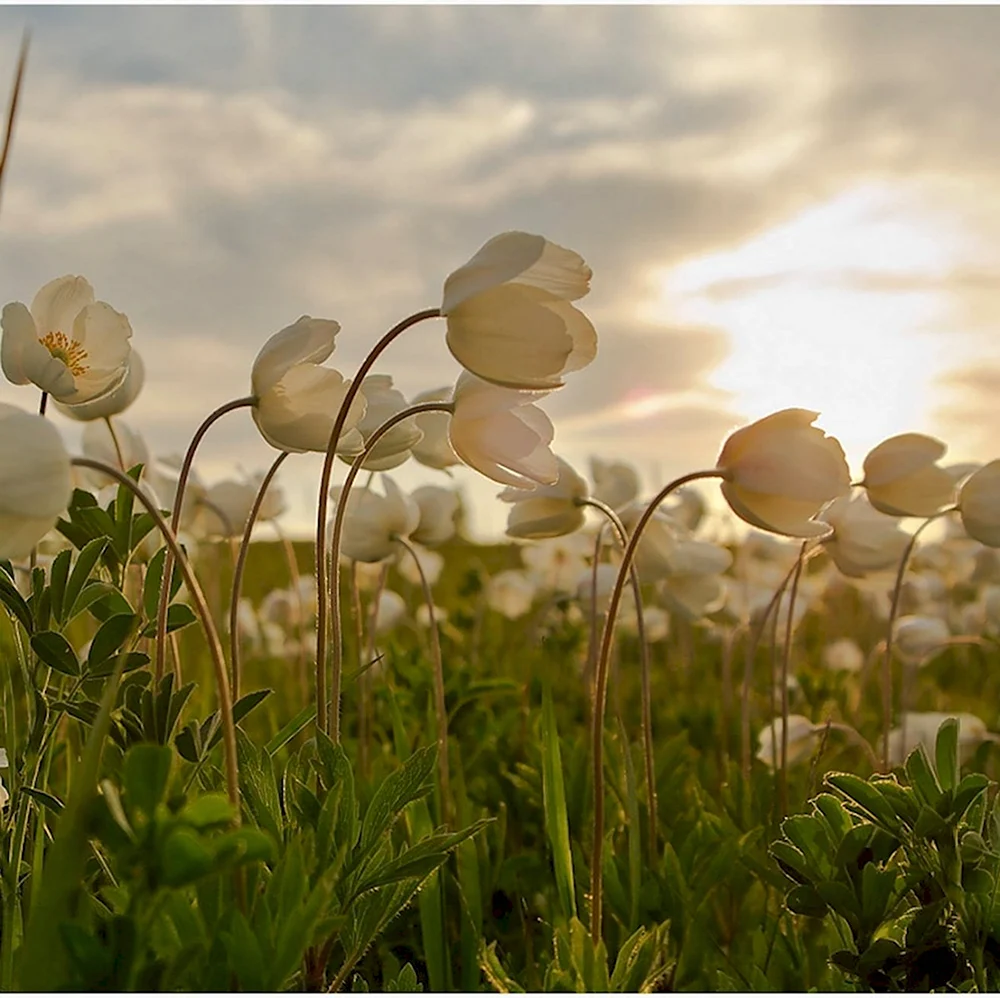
<point>179,616</point>
<point>497,977</point>
<point>245,958</point>
<point>184,857</point>
<point>405,981</point>
<point>58,574</point>
<point>971,788</point>
<point>876,890</point>
<point>146,776</point>
<point>15,603</point>
<point>54,804</point>
<point>110,637</point>
<point>554,800</point>
<point>805,900</point>
<point>298,723</point>
<point>837,819</point>
<point>55,652</point>
<point>921,776</point>
<point>207,811</point>
<point>862,793</point>
<point>401,787</point>
<point>153,583</point>
<point>946,754</point>
<point>86,561</point>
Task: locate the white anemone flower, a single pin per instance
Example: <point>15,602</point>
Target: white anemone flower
<point>547,510</point>
<point>863,540</point>
<point>902,477</point>
<point>555,564</point>
<point>803,737</point>
<point>226,506</point>
<point>68,344</point>
<point>114,402</point>
<point>374,523</point>
<point>383,402</point>
<point>434,449</point>
<point>979,505</point>
<point>431,563</point>
<point>921,728</point>
<point>615,483</point>
<point>298,399</point>
<point>509,315</point>
<point>916,637</point>
<point>438,508</point>
<point>35,480</point>
<point>390,612</point>
<point>843,655</point>
<point>502,434</point>
<point>511,593</point>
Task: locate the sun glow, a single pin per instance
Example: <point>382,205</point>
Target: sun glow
<point>838,310</point>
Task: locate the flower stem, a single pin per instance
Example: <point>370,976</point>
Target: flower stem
<point>333,591</point>
<point>649,758</point>
<point>15,96</point>
<point>116,442</point>
<point>175,519</point>
<point>240,568</point>
<point>786,656</point>
<point>440,712</point>
<point>887,658</point>
<point>201,606</point>
<point>325,600</point>
<point>43,403</point>
<point>601,693</point>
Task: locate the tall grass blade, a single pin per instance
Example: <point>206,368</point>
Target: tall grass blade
<point>554,797</point>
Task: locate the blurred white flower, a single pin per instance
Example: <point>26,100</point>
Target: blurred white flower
<point>373,523</point>
<point>863,539</point>
<point>902,478</point>
<point>781,471</point>
<point>511,593</point>
<point>298,399</point>
<point>227,504</point>
<point>391,611</point>
<point>922,728</point>
<point>434,449</point>
<point>547,510</point>
<point>979,505</point>
<point>509,315</point>
<point>556,564</point>
<point>423,616</point>
<point>430,561</point>
<point>384,402</point>
<point>35,481</point>
<point>438,508</point>
<point>843,655</point>
<point>615,482</point>
<point>916,637</point>
<point>656,621</point>
<point>69,345</point>
<point>803,739</point>
<point>502,434</point>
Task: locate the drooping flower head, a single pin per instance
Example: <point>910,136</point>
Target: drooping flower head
<point>115,402</point>
<point>509,315</point>
<point>979,505</point>
<point>902,477</point>
<point>69,345</point>
<point>547,510</point>
<point>297,398</point>
<point>781,471</point>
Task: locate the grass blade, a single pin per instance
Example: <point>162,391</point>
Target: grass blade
<point>554,797</point>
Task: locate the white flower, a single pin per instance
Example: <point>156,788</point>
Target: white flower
<point>979,505</point>
<point>615,482</point>
<point>509,315</point>
<point>902,478</point>
<point>781,471</point>
<point>390,612</point>
<point>433,449</point>
<point>69,345</point>
<point>511,593</point>
<point>430,561</point>
<point>297,399</point>
<point>438,508</point>
<point>227,504</point>
<point>863,539</point>
<point>384,402</point>
<point>922,728</point>
<point>35,480</point>
<point>803,738</point>
<point>843,655</point>
<point>502,434</point>
<point>556,564</point>
<point>97,443</point>
<point>114,402</point>
<point>547,510</point>
<point>917,637</point>
<point>373,523</point>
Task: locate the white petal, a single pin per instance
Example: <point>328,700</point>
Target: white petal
<point>305,341</point>
<point>59,302</point>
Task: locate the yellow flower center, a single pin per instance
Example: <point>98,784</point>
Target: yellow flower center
<point>71,353</point>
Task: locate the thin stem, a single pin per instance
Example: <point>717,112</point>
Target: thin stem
<point>325,600</point>
<point>787,654</point>
<point>336,643</point>
<point>240,568</point>
<point>201,606</point>
<point>117,443</point>
<point>649,759</point>
<point>887,659</point>
<point>43,403</point>
<point>439,705</point>
<point>15,96</point>
<point>601,692</point>
<point>364,686</point>
<point>175,519</point>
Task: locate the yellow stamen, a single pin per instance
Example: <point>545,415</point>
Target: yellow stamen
<point>71,353</point>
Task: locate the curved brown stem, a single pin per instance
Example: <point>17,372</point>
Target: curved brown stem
<point>119,453</point>
<point>786,656</point>
<point>887,659</point>
<point>175,519</point>
<point>649,758</point>
<point>201,606</point>
<point>15,97</point>
<point>325,601</point>
<point>439,706</point>
<point>601,693</point>
<point>240,568</point>
<point>336,644</point>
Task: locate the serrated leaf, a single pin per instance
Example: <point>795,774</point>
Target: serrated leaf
<point>862,793</point>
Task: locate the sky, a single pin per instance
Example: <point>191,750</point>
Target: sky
<point>794,206</point>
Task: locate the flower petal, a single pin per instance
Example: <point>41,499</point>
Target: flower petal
<point>305,341</point>
<point>59,302</point>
